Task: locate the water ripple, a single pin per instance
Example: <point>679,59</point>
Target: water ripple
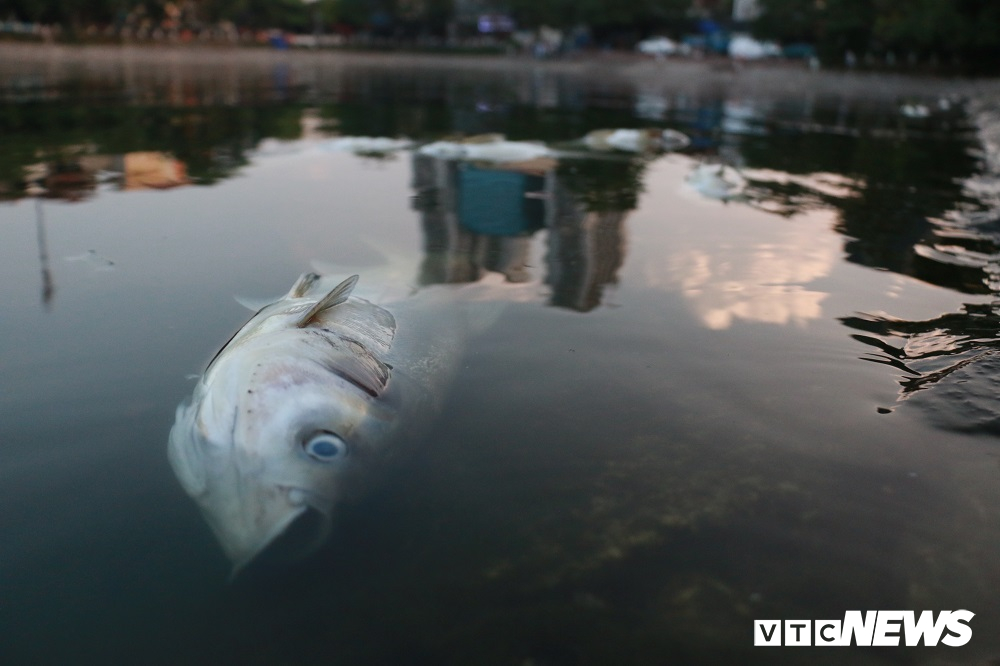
<point>956,354</point>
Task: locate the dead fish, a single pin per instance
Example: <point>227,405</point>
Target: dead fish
<point>636,140</point>
<point>297,409</point>
<point>499,151</point>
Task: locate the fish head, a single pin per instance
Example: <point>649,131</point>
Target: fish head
<point>272,444</point>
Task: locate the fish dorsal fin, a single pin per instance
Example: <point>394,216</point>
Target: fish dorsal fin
<point>300,289</point>
<point>337,295</point>
<point>303,284</point>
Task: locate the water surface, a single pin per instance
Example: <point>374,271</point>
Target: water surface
<point>705,411</point>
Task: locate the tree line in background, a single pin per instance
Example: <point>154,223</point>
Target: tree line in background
<point>386,17</point>
<point>965,32</point>
<point>73,15</point>
<point>945,31</point>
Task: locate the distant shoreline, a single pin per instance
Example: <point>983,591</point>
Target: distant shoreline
<point>754,79</point>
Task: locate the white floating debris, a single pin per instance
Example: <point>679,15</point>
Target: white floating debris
<point>491,151</point>
<point>94,260</point>
<point>915,110</point>
<point>378,145</point>
<point>443,150</point>
<point>635,140</point>
<point>717,181</point>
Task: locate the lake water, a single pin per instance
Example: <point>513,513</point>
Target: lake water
<point>777,400</point>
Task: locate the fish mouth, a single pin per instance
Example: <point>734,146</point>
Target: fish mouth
<point>302,535</point>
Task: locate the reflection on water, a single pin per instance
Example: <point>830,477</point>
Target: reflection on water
<point>482,219</point>
<point>76,178</point>
<point>958,247</point>
<point>928,351</point>
<point>763,282</point>
<point>48,286</point>
<point>786,157</point>
<point>915,196</point>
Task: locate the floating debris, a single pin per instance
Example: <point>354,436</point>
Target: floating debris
<point>636,140</point>
<point>915,110</point>
<point>366,145</point>
<point>497,151</point>
<point>94,260</point>
<point>717,181</point>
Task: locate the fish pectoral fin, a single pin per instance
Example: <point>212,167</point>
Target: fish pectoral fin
<point>367,323</point>
<point>337,295</point>
<point>362,369</point>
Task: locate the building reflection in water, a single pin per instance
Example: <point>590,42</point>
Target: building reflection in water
<point>585,251</point>
<point>477,219</point>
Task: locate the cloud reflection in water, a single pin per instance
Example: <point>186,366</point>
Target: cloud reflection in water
<point>731,263</point>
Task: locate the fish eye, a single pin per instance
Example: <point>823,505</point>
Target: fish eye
<point>325,446</point>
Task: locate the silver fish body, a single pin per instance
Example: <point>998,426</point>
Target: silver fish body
<point>300,406</point>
